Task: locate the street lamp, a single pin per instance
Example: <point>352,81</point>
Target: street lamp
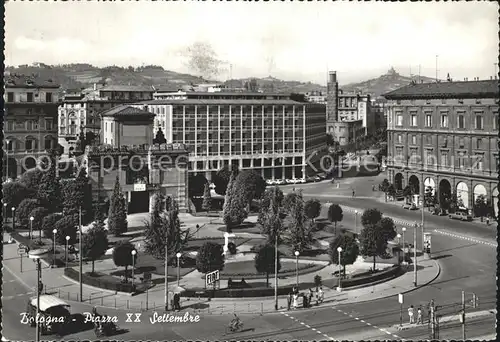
<point>36,255</point>
<point>404,257</point>
<point>415,255</point>
<point>5,213</point>
<point>166,272</point>
<point>13,209</point>
<point>399,246</point>
<point>297,253</point>
<point>178,255</point>
<point>31,227</point>
<point>134,252</point>
<point>339,249</point>
<point>66,250</point>
<point>356,221</point>
<point>54,240</point>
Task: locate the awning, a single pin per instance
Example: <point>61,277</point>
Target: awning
<point>47,302</point>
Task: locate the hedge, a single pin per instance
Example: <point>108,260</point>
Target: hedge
<point>103,281</point>
<point>391,272</point>
<point>242,293</point>
<point>302,270</point>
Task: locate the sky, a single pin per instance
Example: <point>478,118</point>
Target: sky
<point>288,40</point>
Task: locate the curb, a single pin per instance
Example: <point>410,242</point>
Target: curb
<point>98,288</point>
<point>430,281</point>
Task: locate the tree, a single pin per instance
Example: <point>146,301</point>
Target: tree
<point>221,180</point>
<point>289,201</point>
<point>265,260</point>
<point>481,207</point>
<point>371,217</point>
<point>117,218</point>
<point>300,234</point>
<point>384,187</point>
<point>249,185</point>
<point>122,256</point>
<point>207,199</point>
<point>391,191</point>
<point>210,258</point>
<point>31,179</point>
<point>164,229</point>
<point>407,193</point>
<point>298,97</point>
<point>14,193</point>
<point>24,210</point>
<point>38,214</point>
<point>271,214</point>
<point>160,138</point>
<point>49,223</point>
<point>66,226</point>
<point>49,190</point>
<point>387,228</point>
<point>312,209</point>
<point>234,212</point>
<point>94,244</point>
<point>350,250</point>
<point>196,185</point>
<point>77,194</point>
<point>372,243</point>
<point>335,214</point>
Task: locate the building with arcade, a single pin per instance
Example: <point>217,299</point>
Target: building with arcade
<point>443,136</point>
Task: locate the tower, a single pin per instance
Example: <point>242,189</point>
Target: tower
<point>331,101</point>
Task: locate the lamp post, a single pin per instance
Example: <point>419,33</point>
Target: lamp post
<point>404,254</point>
<point>31,227</point>
<point>66,250</point>
<point>178,255</point>
<point>339,249</point>
<point>54,232</point>
<point>276,271</point>
<point>399,246</point>
<point>297,253</point>
<point>415,255</point>
<point>80,259</point>
<point>5,213</point>
<point>134,252</point>
<point>166,272</point>
<point>36,255</point>
<point>356,221</point>
<point>13,210</point>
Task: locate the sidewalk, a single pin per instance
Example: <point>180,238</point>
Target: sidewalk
<point>56,283</point>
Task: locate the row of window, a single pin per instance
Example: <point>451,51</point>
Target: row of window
<point>443,101</point>
<point>476,160</point>
<point>278,148</point>
<point>428,140</point>
<point>29,125</point>
<point>444,123</point>
<point>30,144</point>
<point>29,97</point>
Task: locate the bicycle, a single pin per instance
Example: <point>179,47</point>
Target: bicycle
<point>235,326</point>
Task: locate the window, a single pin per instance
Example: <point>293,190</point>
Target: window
<point>399,151</point>
<point>479,143</point>
<point>427,101</point>
<point>29,125</point>
<point>10,97</point>
<point>10,125</point>
<point>429,139</point>
<point>444,158</point>
<point>48,97</point>
<point>478,162</point>
<point>10,145</point>
<point>48,143</point>
<point>443,101</point>
<point>30,144</point>
<point>479,122</point>
<point>444,121</point>
<point>428,157</point>
<point>428,120</point>
<point>29,97</point>
<point>48,124</point>
<point>461,160</point>
<point>478,101</point>
<point>400,138</point>
<point>398,102</point>
<point>495,121</point>
<point>413,120</point>
<point>461,121</point>
<point>414,139</point>
<point>461,142</point>
<point>460,101</point>
<point>399,120</point>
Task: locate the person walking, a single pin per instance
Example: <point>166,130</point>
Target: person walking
<point>289,301</point>
<point>311,295</point>
<point>295,301</point>
<point>320,295</point>
<point>419,315</point>
<point>410,314</point>
<point>353,193</point>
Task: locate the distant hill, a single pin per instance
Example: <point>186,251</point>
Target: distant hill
<point>383,84</point>
<point>81,75</point>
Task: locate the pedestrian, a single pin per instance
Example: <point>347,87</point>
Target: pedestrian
<point>289,301</point>
<point>419,315</point>
<point>353,193</point>
<point>320,295</point>
<point>487,221</point>
<point>311,295</point>
<point>295,301</point>
<point>410,314</point>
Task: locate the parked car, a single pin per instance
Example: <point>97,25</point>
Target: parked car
<point>317,178</point>
<point>410,206</point>
<point>270,182</point>
<point>289,181</point>
<point>300,180</point>
<point>310,179</point>
<point>460,215</point>
<point>279,182</point>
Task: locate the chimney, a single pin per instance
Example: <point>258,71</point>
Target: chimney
<point>333,77</point>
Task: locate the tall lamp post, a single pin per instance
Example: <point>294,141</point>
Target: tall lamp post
<point>276,271</point>
<point>297,253</point>
<point>54,232</point>
<point>399,246</point>
<point>36,255</point>
<point>66,250</point>
<point>404,253</point>
<point>415,255</point>
<point>5,213</point>
<point>13,210</point>
<point>339,288</point>
<point>31,227</point>
<point>178,255</point>
<point>134,252</point>
<point>80,251</point>
<point>356,221</point>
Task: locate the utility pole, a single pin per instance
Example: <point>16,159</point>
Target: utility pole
<point>80,252</point>
<point>463,315</point>
<point>415,255</point>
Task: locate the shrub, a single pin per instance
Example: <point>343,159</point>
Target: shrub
<point>38,214</point>
<point>210,258</point>
<point>24,210</point>
<point>14,193</point>
<point>122,256</point>
<point>231,247</point>
<point>317,280</point>
<point>49,222</point>
<point>100,280</point>
<point>66,226</point>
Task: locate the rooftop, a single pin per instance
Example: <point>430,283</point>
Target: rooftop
<point>225,102</point>
<point>28,81</point>
<point>117,87</point>
<point>123,111</point>
<point>478,89</point>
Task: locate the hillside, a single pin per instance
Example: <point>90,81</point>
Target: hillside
<point>383,84</point>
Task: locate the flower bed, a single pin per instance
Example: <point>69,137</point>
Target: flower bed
<point>246,269</point>
<point>246,292</point>
<point>101,280</point>
<point>387,274</point>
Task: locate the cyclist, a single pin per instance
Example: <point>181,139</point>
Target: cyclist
<point>236,322</point>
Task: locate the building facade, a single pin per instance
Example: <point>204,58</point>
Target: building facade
<point>269,133</point>
<point>143,169</point>
<point>316,97</point>
<point>444,136</point>
<point>30,126</point>
<point>332,103</point>
<point>80,111</point>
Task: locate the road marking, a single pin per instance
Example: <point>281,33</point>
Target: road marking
<point>465,238</point>
<point>313,329</point>
<point>373,326</point>
<point>17,295</point>
<point>17,277</point>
